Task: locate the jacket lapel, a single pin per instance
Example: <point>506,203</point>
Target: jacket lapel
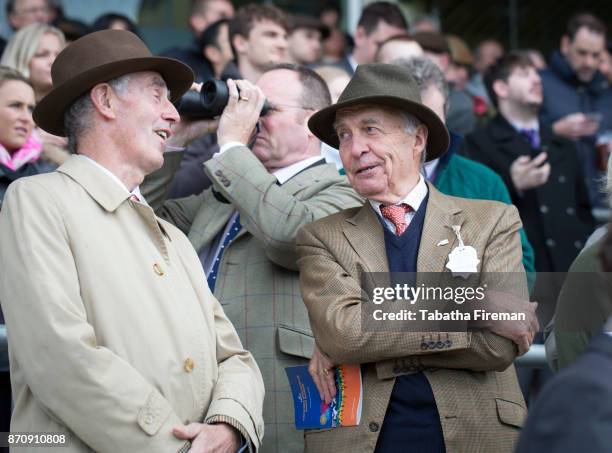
<point>441,214</point>
<point>365,234</point>
<point>209,221</point>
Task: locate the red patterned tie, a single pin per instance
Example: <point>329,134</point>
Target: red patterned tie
<point>397,215</point>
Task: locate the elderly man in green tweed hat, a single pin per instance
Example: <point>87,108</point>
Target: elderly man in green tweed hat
<point>422,392</point>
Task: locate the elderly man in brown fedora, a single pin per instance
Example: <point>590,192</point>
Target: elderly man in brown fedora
<point>422,392</point>
<point>115,339</point>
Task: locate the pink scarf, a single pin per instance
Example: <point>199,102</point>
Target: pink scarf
<point>29,152</point>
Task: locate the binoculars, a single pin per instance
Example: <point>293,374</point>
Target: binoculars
<point>209,102</point>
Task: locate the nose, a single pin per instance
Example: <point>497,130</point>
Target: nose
<point>170,113</point>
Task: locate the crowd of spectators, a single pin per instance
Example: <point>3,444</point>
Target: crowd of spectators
<point>525,130</point>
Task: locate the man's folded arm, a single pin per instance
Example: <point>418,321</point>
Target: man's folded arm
<point>83,385</point>
<point>267,211</point>
<point>239,392</point>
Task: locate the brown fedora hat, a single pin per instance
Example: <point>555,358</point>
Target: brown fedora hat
<point>385,85</point>
<point>100,57</point>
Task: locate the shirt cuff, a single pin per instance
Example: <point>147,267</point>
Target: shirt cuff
<point>246,441</point>
<point>227,146</point>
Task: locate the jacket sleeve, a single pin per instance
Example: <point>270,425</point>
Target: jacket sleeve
<point>269,212</point>
<point>333,297</point>
<point>95,393</point>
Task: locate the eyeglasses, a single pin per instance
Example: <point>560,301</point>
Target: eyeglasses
<point>274,107</point>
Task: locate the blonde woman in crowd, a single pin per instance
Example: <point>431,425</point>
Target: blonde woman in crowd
<point>31,51</point>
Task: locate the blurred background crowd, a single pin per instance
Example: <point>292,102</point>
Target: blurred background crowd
<point>524,88</point>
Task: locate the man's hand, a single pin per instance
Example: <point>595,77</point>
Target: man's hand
<point>241,114</point>
<point>520,332</point>
<point>528,173</point>
<point>205,438</point>
<point>575,125</point>
<point>186,130</point>
<point>321,368</point>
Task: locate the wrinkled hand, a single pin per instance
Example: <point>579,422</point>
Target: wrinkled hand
<point>187,130</point>
<point>205,438</point>
<point>575,125</point>
<point>321,368</point>
<point>520,332</point>
<point>240,115</point>
<point>528,173</point>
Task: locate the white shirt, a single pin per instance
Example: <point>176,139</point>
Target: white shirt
<point>414,199</point>
<point>135,191</point>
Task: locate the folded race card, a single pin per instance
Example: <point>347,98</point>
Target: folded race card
<point>311,412</point>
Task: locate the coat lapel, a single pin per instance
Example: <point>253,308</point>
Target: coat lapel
<point>441,214</point>
<point>365,234</point>
<point>209,221</point>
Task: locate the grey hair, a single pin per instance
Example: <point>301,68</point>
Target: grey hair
<point>410,127</point>
<point>426,74</point>
<point>77,117</point>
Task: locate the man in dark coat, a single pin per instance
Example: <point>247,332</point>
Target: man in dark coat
<point>540,168</point>
<point>577,97</point>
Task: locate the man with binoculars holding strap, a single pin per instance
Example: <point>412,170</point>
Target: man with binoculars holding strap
<point>243,228</point>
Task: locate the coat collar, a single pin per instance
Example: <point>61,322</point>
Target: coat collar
<point>502,131</point>
<point>99,186</point>
<point>365,234</point>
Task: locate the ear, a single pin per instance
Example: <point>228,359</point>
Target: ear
<point>240,44</point>
<point>501,89</point>
<point>565,43</point>
<point>360,35</point>
<point>420,141</point>
<point>103,98</point>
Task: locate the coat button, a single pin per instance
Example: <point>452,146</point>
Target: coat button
<point>439,345</point>
<point>431,344</point>
<point>570,211</point>
<point>448,343</point>
<point>373,426</point>
<point>148,419</point>
<point>550,242</point>
<point>543,209</point>
<point>562,179</point>
<point>188,365</point>
<point>219,173</point>
<point>158,269</point>
<point>578,245</point>
<point>424,346</point>
<point>226,183</point>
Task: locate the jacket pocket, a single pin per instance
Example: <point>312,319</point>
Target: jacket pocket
<point>510,413</point>
<point>295,342</point>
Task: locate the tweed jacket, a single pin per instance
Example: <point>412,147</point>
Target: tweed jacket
<point>257,281</point>
<point>473,380</point>
<point>113,333</point>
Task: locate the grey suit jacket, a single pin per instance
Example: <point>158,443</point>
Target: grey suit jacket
<point>257,281</point>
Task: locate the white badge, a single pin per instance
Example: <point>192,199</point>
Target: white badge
<point>463,259</point>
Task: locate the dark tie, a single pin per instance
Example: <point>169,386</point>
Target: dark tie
<point>229,237</point>
<point>396,214</point>
<point>532,137</point>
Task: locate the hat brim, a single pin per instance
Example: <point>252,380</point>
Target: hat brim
<point>49,112</point>
<point>321,123</point>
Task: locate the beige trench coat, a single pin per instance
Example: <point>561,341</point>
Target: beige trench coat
<point>114,335</point>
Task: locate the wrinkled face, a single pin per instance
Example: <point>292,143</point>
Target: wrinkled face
<point>16,105</point>
<point>525,86</point>
<point>144,116</point>
<point>284,137</point>
<point>305,45</point>
<point>584,53</point>
<point>28,12</point>
<point>48,48</point>
<point>266,44</point>
<point>369,43</point>
<point>380,158</point>
<point>393,50</point>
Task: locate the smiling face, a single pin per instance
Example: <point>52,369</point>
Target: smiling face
<point>144,116</point>
<point>16,105</point>
<point>381,159</point>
